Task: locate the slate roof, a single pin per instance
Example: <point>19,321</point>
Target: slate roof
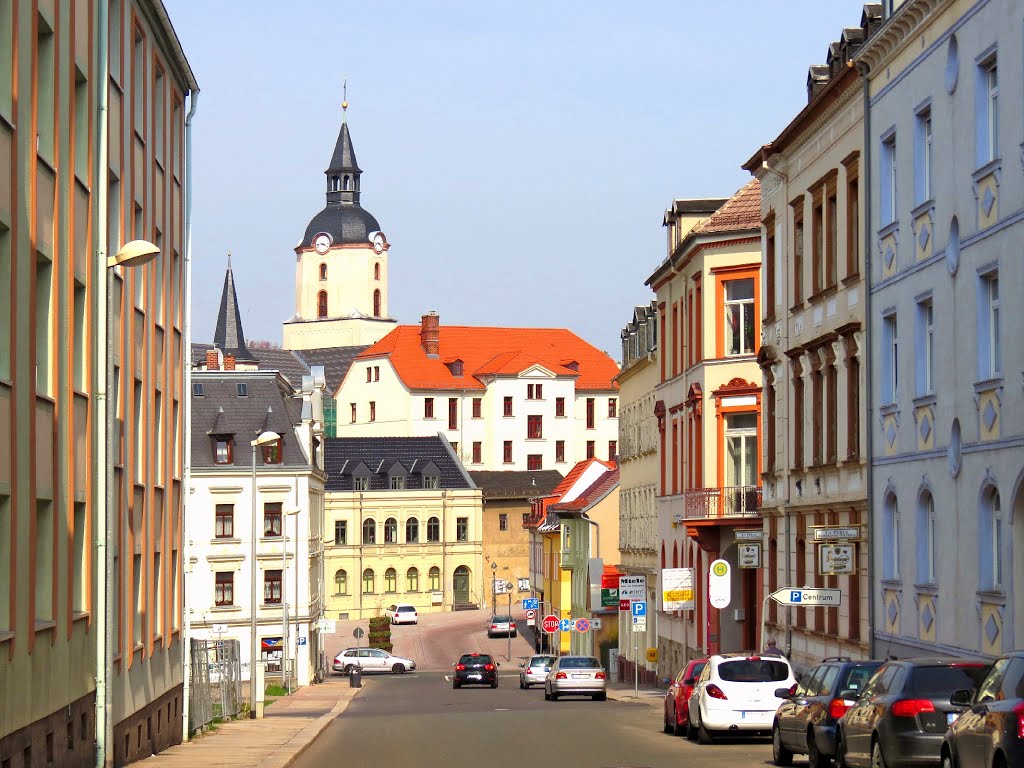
<point>220,410</point>
<point>294,364</point>
<point>741,211</point>
<point>335,360</point>
<point>347,457</point>
<point>346,223</point>
<point>485,350</point>
<point>516,485</point>
<point>229,336</point>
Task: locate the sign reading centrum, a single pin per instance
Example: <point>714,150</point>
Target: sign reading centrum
<point>808,596</point>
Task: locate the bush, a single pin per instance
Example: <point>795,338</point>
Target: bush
<point>380,624</point>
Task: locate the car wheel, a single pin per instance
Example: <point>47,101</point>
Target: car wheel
<point>494,684</point>
<point>347,670</point>
<point>947,760</point>
<point>522,685</point>
<point>678,729</point>
<point>547,696</point>
<point>780,755</point>
<point>456,684</point>
<point>814,757</point>
<point>877,758</point>
<point>601,697</point>
<point>398,669</point>
<point>515,634</point>
<point>840,750</point>
<point>666,726</point>
<point>704,735</point>
<point>554,696</point>
<point>691,732</point>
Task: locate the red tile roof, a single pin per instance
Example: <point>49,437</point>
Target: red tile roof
<point>597,491</point>
<point>492,351</point>
<point>741,211</point>
<point>574,474</point>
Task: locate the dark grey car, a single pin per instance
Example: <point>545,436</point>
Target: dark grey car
<point>900,718</point>
<point>990,732</point>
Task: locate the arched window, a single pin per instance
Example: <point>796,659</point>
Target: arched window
<point>321,305</point>
<point>890,538</point>
<point>412,580</point>
<point>340,582</point>
<point>376,303</point>
<point>347,180</point>
<point>323,271</point>
<point>368,586</point>
<point>990,540</point>
<point>435,579</point>
<point>926,538</point>
<point>412,531</point>
<point>433,530</point>
<point>376,271</point>
<point>390,580</point>
<point>391,531</point>
<point>369,532</point>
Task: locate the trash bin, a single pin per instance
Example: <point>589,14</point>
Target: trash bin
<point>355,678</point>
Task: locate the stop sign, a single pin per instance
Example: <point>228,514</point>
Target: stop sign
<point>549,624</point>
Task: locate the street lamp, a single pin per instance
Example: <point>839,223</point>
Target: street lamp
<point>265,438</point>
<point>285,514</point>
<point>494,586</point>
<point>132,254</point>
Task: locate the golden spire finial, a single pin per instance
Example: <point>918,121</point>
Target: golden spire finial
<point>344,97</point>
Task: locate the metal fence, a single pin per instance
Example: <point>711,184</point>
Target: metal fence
<point>215,691</point>
<point>731,501</point>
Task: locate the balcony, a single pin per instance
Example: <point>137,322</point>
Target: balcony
<point>714,503</point>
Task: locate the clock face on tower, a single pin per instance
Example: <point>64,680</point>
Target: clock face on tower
<point>378,242</point>
<point>322,243</point>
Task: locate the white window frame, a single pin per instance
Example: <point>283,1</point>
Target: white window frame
<point>923,154</point>
<point>925,363</point>
<point>986,107</point>
<point>746,306</point>
<point>988,332</point>
<point>887,210</point>
<point>890,362</point>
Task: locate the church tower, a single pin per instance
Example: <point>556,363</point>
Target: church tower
<point>341,265</point>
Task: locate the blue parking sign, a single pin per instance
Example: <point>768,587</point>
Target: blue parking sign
<point>639,607</point>
<point>795,595</point>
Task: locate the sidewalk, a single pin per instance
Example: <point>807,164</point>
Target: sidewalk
<point>627,693</point>
<point>289,726</point>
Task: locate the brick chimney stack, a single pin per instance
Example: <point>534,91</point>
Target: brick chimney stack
<point>430,334</point>
<point>229,362</point>
<point>212,360</point>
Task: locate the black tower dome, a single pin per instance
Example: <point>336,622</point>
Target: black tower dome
<point>342,218</point>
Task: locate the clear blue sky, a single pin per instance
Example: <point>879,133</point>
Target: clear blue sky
<point>519,156</point>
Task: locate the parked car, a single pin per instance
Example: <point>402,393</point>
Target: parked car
<point>805,723</point>
<point>371,660</point>
<point>904,711</point>
<point>676,713</point>
<point>402,613</point>
<point>991,730</point>
<point>475,669</point>
<point>535,670</point>
<point>576,676</point>
<point>736,694</point>
<point>503,625</point>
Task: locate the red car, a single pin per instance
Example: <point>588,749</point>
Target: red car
<point>677,713</point>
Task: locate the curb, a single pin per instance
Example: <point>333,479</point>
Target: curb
<point>301,741</point>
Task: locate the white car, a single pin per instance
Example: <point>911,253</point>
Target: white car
<point>371,660</point>
<point>735,694</point>
<point>402,613</point>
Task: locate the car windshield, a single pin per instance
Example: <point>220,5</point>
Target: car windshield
<point>475,659</point>
<point>939,682</point>
<point>541,661</point>
<point>857,677</point>
<point>579,662</point>
<point>501,619</point>
<point>753,671</point>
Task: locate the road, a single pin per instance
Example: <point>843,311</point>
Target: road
<point>417,719</point>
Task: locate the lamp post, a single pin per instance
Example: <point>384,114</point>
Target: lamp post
<point>494,587</point>
<point>132,254</point>
<point>265,438</point>
<point>285,514</point>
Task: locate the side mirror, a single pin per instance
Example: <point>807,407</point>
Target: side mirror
<point>497,664</point>
<point>850,694</point>
<point>961,698</point>
<point>783,693</point>
<point>691,681</point>
<point>522,666</point>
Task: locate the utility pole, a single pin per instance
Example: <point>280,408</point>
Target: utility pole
<point>508,656</point>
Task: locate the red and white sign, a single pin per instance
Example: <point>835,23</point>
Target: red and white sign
<point>549,624</point>
<point>531,616</point>
<point>624,604</point>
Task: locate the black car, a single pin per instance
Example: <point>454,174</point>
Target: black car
<point>991,731</point>
<point>903,713</point>
<point>805,722</point>
<point>475,669</point>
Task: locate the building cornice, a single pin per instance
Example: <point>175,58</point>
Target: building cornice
<point>897,32</point>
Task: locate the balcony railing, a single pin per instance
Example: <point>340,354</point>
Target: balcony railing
<point>730,501</point>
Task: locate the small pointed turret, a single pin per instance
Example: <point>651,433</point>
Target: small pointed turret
<point>228,337</point>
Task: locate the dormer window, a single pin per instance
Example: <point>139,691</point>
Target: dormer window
<point>335,184</point>
<point>455,367</point>
<point>242,390</point>
<point>272,453</point>
<point>197,389</point>
<point>223,449</point>
<point>432,482</point>
<point>572,365</point>
<point>323,271</point>
<point>397,482</point>
<point>361,483</point>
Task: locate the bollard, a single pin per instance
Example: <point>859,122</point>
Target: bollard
<point>355,678</point>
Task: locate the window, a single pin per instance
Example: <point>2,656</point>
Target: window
<point>508,405</point>
<point>353,407</point>
<point>321,305</point>
<point>241,390</point>
<point>613,449</point>
<point>891,538</point>
<point>272,452</point>
<point>887,209</point>
<point>502,522</point>
<point>926,551</point>
<point>890,359</point>
<point>368,582</point>
<point>769,266</point>
<point>224,521</point>
<point>376,271</point>
<point>361,483</point>
<point>453,413</point>
<point>477,407</point>
<point>817,240</point>
<point>197,389</point>
<point>462,529</point>
<point>369,374</point>
<point>390,580</point>
<point>412,580</point>
<point>507,452</point>
<point>398,482</point>
<point>590,413</point>
<point>559,451</point>
<point>455,447</point>
<point>323,271</point>
<point>478,451</point>
<point>741,450</point>
<point>376,373</point>
<point>852,406</point>
<point>831,412</point>
<point>534,427</point>
<point>434,575</point>
<point>224,589</point>
<point>271,587</point>
<point>373,410</point>
<point>412,531</point>
<point>924,361</point>
<point>340,582</point>
<point>831,234</point>
<point>433,530</point>
<point>559,407</point>
<point>987,111</point>
<point>989,358</point>
<point>613,408</point>
<point>799,416</point>
<point>222,449</point>
<point>428,408</point>
<point>533,391</point>
<point>534,461</point>
<point>433,482</point>
<point>590,449</point>
<point>272,519</point>
<point>369,532</point>
<point>341,532</point>
<point>991,541</point>
<point>923,156</point>
<point>376,303</point>
<point>739,317</point>
<point>391,531</point>
<point>852,218</point>
<point>798,251</point>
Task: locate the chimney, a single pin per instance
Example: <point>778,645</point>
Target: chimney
<point>212,360</point>
<point>430,334</point>
<point>229,362</point>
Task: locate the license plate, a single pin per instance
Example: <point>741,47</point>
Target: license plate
<point>580,677</point>
<point>474,677</point>
<point>951,717</point>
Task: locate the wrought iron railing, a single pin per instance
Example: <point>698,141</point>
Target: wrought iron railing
<point>730,501</point>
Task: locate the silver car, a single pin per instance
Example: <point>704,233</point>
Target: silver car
<point>535,670</point>
<point>371,660</point>
<point>576,676</point>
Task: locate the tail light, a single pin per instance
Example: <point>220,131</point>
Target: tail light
<point>715,692</point>
<point>512,625</point>
<point>561,676</point>
<point>1019,712</point>
<point>837,708</point>
<point>489,667</point>
<point>911,707</point>
<point>460,667</point>
<point>529,670</point>
<point>600,676</point>
<point>494,626</point>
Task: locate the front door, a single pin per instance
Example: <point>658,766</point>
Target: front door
<point>460,585</point>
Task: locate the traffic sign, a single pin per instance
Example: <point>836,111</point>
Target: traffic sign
<point>219,629</point>
<point>549,624</point>
<point>719,584</point>
<point>531,615</point>
<point>624,603</point>
<point>808,596</point>
<point>582,625</point>
<point>640,623</point>
<point>565,625</point>
<point>639,608</point>
<point>531,603</point>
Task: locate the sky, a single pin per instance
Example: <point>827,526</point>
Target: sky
<point>518,156</point>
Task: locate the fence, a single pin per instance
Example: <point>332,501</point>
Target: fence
<point>731,501</point>
<point>215,690</point>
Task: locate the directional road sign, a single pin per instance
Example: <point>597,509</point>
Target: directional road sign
<point>639,608</point>
<point>808,596</point>
<point>531,603</point>
<point>549,624</point>
<point>565,625</point>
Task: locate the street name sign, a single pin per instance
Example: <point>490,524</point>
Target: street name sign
<point>808,596</point>
<point>751,534</point>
